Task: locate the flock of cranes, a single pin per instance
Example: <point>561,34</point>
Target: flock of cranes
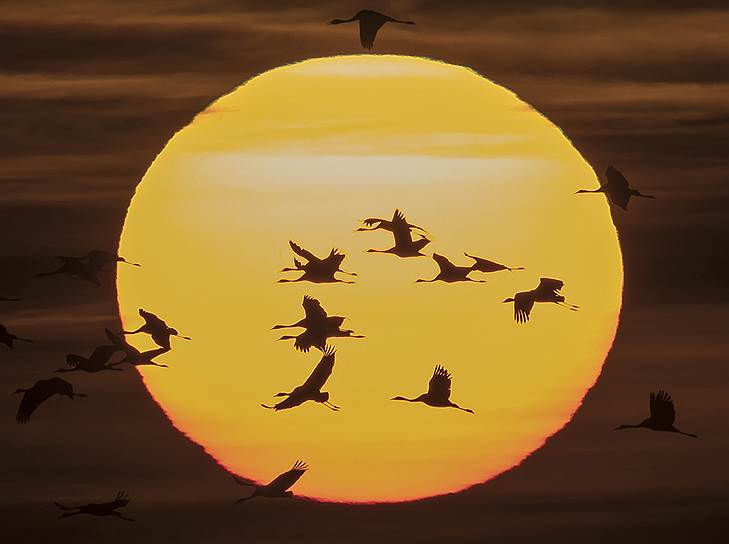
<point>318,327</point>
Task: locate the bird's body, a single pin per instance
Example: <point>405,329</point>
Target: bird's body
<point>132,355</point>
<point>662,418</point>
<point>157,329</point>
<point>39,393</point>
<point>277,488</point>
<point>316,270</point>
<point>318,327</point>
<point>486,266</point>
<point>404,246</point>
<point>369,23</point>
<point>439,392</point>
<point>546,291</point>
<point>76,267</point>
<point>310,390</point>
<point>98,361</point>
<point>449,272</point>
<point>9,339</point>
<point>98,509</point>
<point>616,188</point>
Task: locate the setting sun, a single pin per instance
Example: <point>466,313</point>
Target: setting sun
<point>306,151</point>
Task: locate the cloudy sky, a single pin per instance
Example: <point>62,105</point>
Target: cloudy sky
<point>90,91</point>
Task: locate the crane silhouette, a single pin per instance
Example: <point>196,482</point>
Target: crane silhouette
<point>376,223</point>
<point>547,291</point>
<point>98,259</point>
<point>278,487</point>
<point>369,23</point>
<point>75,267</point>
<point>318,327</point>
<point>98,509</point>
<point>449,272</point>
<point>157,329</point>
<point>484,265</point>
<point>662,418</point>
<point>311,388</point>
<point>616,188</point>
<point>404,246</point>
<point>439,392</point>
<point>98,361</point>
<point>9,339</point>
<point>41,392</point>
<point>317,270</point>
<point>132,355</point>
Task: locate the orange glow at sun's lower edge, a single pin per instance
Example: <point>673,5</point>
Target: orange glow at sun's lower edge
<point>303,153</point>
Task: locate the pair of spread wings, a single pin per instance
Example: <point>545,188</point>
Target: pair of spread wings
<point>309,256</point>
<point>282,482</point>
<point>524,301</point>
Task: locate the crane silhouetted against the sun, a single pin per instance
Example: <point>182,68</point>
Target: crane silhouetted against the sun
<point>662,418</point>
<point>278,488</point>
<point>99,360</point>
<point>98,509</point>
<point>439,392</point>
<point>311,388</point>
<point>449,272</point>
<point>616,188</point>
<point>316,270</point>
<point>157,329</point>
<point>133,356</point>
<point>404,246</point>
<point>547,291</point>
<point>369,23</point>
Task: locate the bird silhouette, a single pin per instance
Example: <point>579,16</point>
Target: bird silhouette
<point>98,259</point>
<point>98,361</point>
<point>546,291</point>
<point>662,418</point>
<point>369,23</point>
<point>9,339</point>
<point>439,391</point>
<point>76,267</point>
<point>157,328</point>
<point>376,223</point>
<point>98,509</point>
<point>404,246</point>
<point>39,393</point>
<point>278,488</point>
<point>616,188</point>
<point>449,272</point>
<point>132,355</point>
<point>8,299</point>
<point>317,270</point>
<point>318,327</point>
<point>311,388</point>
<point>484,265</point>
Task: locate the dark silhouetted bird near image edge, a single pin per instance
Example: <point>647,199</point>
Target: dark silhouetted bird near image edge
<point>9,339</point>
<point>662,418</point>
<point>99,509</point>
<point>616,188</point>
<point>39,393</point>
<point>278,488</point>
<point>439,391</point>
<point>370,23</point>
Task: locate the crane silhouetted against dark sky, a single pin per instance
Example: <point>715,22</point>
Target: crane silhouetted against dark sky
<point>98,509</point>
<point>662,418</point>
<point>99,360</point>
<point>369,23</point>
<point>39,393</point>
<point>9,339</point>
<point>616,188</point>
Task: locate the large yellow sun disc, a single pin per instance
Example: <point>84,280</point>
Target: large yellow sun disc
<point>303,153</point>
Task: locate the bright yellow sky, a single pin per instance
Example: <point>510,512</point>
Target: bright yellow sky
<point>305,151</point>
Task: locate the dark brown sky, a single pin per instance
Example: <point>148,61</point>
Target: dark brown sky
<point>90,91</point>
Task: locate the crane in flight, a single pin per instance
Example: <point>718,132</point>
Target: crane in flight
<point>132,355</point>
<point>9,339</point>
<point>369,23</point>
<point>449,272</point>
<point>662,418</point>
<point>278,487</point>
<point>98,259</point>
<point>157,329</point>
<point>98,509</point>
<point>439,392</point>
<point>404,246</point>
<point>486,266</point>
<point>98,361</point>
<point>616,188</point>
<point>547,291</point>
<point>316,270</point>
<point>75,267</point>
<point>311,388</point>
<point>41,392</point>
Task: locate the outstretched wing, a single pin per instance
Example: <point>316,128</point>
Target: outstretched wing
<point>282,482</point>
<point>484,265</point>
<point>549,285</point>
<point>321,373</point>
<point>444,264</point>
<point>616,179</point>
<point>439,386</point>
<point>121,344</point>
<point>301,252</point>
<point>103,353</point>
<point>401,230</point>
<point>662,409</point>
<point>34,397</point>
<point>312,308</point>
<point>152,320</point>
<point>523,304</point>
<point>368,30</point>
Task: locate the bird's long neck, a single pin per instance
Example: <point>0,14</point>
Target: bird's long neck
<point>407,399</point>
<point>631,426</point>
<point>340,21</point>
<point>391,20</point>
<point>589,191</point>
